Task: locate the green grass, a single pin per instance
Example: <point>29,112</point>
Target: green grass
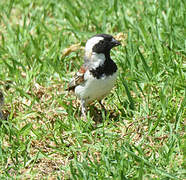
<point>44,137</point>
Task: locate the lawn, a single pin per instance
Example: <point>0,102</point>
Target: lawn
<point>43,135</point>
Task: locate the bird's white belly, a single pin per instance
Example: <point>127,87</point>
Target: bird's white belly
<point>95,89</point>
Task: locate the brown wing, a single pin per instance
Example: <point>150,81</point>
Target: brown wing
<point>77,79</point>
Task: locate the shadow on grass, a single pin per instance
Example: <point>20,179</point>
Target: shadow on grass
<point>99,115</point>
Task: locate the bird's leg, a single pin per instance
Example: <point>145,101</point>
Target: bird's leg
<point>83,109</point>
<point>103,107</point>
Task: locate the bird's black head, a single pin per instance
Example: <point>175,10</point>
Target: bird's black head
<point>101,43</point>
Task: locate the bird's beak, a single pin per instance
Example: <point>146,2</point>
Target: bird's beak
<point>114,42</point>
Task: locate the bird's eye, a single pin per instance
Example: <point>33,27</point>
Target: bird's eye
<point>101,42</point>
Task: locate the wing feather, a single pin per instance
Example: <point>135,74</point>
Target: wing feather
<point>77,79</point>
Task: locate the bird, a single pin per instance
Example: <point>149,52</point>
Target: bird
<point>98,74</point>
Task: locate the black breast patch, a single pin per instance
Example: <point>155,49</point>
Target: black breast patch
<point>108,68</point>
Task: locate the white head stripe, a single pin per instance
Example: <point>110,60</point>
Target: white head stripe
<point>91,42</point>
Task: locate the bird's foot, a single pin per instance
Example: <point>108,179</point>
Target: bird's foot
<point>83,109</point>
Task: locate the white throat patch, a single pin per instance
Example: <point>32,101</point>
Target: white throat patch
<point>97,59</point>
<point>90,44</point>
